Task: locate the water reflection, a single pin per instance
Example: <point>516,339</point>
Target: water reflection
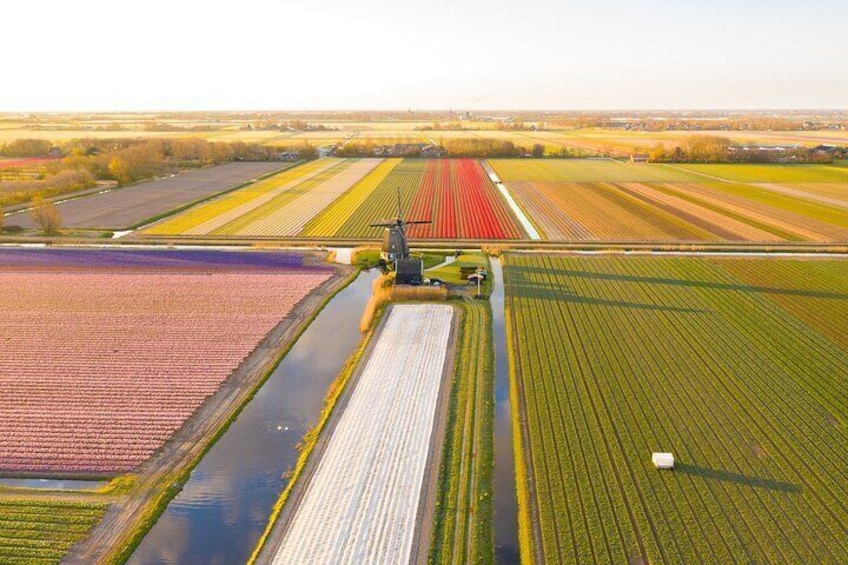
<point>53,484</point>
<point>505,504</point>
<point>224,506</point>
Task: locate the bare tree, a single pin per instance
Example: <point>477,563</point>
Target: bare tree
<point>538,151</point>
<point>46,216</point>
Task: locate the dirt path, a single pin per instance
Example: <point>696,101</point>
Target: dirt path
<point>127,513</point>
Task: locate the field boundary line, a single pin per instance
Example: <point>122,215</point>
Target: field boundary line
<point>528,510</point>
<point>699,173</point>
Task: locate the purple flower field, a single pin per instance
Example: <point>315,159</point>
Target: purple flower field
<point>200,259</point>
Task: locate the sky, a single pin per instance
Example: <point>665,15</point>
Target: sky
<point>98,55</point>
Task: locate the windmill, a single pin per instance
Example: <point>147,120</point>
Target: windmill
<point>395,252</point>
<point>394,235</point>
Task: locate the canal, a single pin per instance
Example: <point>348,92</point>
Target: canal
<point>223,508</point>
<point>505,504</point>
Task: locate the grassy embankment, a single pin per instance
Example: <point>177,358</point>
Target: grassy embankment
<point>463,531</point>
<point>463,520</point>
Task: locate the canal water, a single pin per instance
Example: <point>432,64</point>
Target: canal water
<point>224,507</point>
<point>54,484</point>
<point>505,503</point>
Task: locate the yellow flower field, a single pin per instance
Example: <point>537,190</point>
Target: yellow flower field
<point>329,222</point>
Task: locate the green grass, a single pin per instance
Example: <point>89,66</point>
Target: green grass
<point>433,259</point>
<point>774,173</point>
<point>463,522</point>
<point>451,273</point>
<point>36,531</point>
<point>722,362</point>
<point>366,258</point>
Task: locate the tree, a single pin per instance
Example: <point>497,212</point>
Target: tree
<point>538,151</point>
<point>119,170</point>
<point>307,152</point>
<point>26,148</point>
<point>658,154</point>
<point>45,215</point>
<point>707,148</point>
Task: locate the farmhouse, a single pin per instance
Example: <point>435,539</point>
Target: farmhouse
<point>831,150</point>
<point>432,151</point>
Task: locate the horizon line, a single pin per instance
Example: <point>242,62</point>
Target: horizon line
<point>430,110</point>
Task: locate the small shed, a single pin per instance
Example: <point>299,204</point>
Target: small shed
<point>663,460</point>
<point>409,271</point>
<point>475,278</point>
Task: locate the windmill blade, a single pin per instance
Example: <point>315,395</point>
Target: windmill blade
<point>400,210</point>
<point>411,222</point>
<point>383,224</point>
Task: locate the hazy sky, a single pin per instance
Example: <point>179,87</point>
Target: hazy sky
<point>466,54</point>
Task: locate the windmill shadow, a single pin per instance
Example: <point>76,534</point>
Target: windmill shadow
<point>737,478</point>
<point>525,287</point>
<point>526,271</point>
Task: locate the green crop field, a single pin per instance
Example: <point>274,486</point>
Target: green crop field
<point>735,366</point>
<point>36,531</point>
<point>771,173</point>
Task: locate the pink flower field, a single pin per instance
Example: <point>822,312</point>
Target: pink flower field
<point>98,370</point>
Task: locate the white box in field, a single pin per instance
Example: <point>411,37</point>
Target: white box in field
<point>663,460</point>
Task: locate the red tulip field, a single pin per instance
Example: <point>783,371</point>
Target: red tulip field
<point>101,365</point>
<point>461,202</point>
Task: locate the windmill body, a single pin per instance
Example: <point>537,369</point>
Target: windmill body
<point>395,252</point>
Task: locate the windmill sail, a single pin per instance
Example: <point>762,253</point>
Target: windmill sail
<point>395,246</point>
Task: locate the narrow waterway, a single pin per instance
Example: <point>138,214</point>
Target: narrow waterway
<point>506,506</point>
<point>224,507</point>
<point>53,484</point>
